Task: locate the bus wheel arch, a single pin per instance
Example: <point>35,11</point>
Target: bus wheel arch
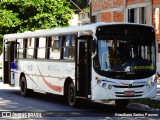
<point>69,92</point>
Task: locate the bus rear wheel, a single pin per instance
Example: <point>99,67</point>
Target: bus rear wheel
<point>122,103</point>
<point>71,96</point>
<point>23,87</point>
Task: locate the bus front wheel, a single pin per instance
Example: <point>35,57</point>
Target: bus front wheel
<point>71,96</point>
<point>122,103</point>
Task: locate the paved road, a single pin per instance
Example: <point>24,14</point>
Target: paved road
<point>54,107</point>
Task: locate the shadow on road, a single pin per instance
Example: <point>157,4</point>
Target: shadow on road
<point>84,105</point>
<point>10,99</point>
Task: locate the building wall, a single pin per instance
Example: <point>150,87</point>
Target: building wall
<point>156,2</point>
<point>74,20</point>
<point>108,10</point>
<point>156,17</point>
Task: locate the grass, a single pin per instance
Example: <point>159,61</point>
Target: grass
<point>151,103</point>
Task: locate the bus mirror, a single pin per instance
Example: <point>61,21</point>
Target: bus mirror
<point>94,45</point>
<point>18,43</point>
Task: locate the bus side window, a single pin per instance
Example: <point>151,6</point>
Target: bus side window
<point>41,48</point>
<point>55,47</point>
<point>20,48</point>
<point>30,48</point>
<point>69,47</point>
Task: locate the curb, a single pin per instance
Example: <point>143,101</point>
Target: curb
<point>143,106</point>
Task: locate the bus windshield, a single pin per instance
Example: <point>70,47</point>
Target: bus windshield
<point>128,54</point>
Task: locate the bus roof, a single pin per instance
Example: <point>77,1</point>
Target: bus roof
<point>60,31</point>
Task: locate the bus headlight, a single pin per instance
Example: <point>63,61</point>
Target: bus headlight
<point>98,81</point>
<point>148,86</point>
<point>109,86</point>
<point>152,83</point>
<point>155,79</point>
<point>104,84</point>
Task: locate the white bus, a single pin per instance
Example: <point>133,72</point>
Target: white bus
<point>101,61</point>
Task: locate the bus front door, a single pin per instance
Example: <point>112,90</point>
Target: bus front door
<point>9,52</point>
<point>82,69</point>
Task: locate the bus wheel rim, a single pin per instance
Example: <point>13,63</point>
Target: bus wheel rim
<point>71,95</point>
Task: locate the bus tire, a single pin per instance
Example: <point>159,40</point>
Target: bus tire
<point>71,96</point>
<point>122,103</point>
<point>23,87</point>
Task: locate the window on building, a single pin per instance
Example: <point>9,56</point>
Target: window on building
<point>142,15</point>
<point>68,47</point>
<point>132,15</point>
<point>156,20</point>
<point>158,48</point>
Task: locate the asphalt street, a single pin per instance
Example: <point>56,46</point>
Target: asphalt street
<point>46,107</point>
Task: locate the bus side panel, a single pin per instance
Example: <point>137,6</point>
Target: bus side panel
<point>66,70</point>
<point>49,77</point>
<point>41,76</point>
<point>28,68</point>
<point>29,71</point>
<point>16,76</point>
<point>17,71</point>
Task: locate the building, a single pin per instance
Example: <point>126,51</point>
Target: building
<point>134,11</point>
<point>74,21</point>
<point>81,15</point>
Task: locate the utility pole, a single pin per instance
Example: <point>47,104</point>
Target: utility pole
<point>90,11</point>
<point>77,6</point>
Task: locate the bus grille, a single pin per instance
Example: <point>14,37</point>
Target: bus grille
<point>137,86</point>
<point>122,94</point>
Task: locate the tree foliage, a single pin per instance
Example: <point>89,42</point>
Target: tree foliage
<point>29,15</point>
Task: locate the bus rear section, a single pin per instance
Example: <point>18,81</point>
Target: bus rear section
<point>124,66</point>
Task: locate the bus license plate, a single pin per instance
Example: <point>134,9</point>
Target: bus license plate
<point>129,93</point>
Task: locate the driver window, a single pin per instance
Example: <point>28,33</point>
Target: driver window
<point>104,54</point>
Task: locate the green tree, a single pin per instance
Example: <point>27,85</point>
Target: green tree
<point>30,15</point>
<point>8,23</point>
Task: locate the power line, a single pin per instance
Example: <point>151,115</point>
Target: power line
<point>77,6</point>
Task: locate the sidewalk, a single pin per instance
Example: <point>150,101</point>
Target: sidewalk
<point>145,106</point>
